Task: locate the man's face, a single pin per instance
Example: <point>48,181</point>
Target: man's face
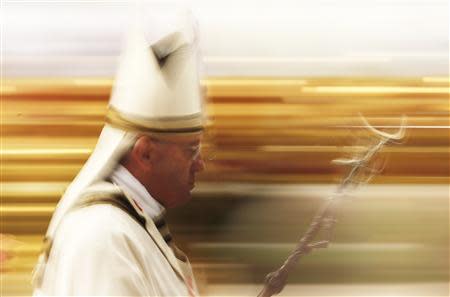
<point>175,161</point>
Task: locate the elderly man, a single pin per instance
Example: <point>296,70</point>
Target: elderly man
<point>108,235</point>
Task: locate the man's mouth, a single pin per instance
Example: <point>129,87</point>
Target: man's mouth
<point>192,183</point>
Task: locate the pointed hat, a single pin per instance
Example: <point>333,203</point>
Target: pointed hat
<point>156,90</point>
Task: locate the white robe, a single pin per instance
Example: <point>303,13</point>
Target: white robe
<point>102,250</point>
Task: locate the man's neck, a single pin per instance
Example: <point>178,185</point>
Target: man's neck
<point>129,184</point>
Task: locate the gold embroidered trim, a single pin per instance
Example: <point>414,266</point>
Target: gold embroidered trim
<point>182,124</point>
<point>46,247</point>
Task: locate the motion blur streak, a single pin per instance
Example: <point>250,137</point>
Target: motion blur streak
<point>269,149</point>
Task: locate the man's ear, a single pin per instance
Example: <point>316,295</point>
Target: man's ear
<point>142,150</point>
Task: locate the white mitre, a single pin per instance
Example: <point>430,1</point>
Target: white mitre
<point>156,90</point>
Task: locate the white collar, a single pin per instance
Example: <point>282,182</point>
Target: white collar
<point>128,183</point>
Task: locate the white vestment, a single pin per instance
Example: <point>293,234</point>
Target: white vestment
<point>101,250</point>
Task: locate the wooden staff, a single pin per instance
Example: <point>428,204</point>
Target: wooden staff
<point>325,217</point>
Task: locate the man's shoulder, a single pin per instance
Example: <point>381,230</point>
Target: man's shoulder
<point>97,222</point>
<point>101,214</point>
<point>95,208</point>
<point>101,220</point>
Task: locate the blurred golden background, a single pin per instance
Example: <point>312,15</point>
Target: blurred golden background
<point>268,149</point>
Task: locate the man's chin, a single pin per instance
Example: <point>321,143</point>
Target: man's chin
<point>181,200</point>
